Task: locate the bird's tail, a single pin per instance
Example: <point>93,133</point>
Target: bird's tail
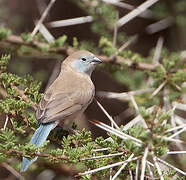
<point>38,139</point>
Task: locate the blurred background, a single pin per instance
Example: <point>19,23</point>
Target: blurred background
<point>165,19</point>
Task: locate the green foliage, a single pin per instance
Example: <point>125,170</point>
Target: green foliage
<point>107,47</point>
<point>59,42</point>
<point>26,37</point>
<point>4,62</point>
<point>4,33</point>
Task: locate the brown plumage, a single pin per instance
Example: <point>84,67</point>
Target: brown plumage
<point>66,98</point>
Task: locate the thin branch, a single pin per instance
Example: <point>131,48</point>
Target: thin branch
<point>158,167</point>
<point>136,120</point>
<point>131,176</point>
<point>150,171</point>
<point>135,12</point>
<point>180,106</point>
<point>157,53</point>
<point>171,166</point>
<point>46,34</point>
<point>159,88</point>
<point>116,132</point>
<point>115,31</point>
<point>70,22</point>
<point>176,152</point>
<point>146,14</point>
<point>106,167</point>
<point>137,169</point>
<point>12,151</point>
<point>124,46</point>
<point>6,121</point>
<point>23,96</point>
<point>102,149</point>
<point>144,163</point>
<point>103,156</point>
<point>159,25</point>
<point>137,110</point>
<point>176,128</point>
<point>122,167</point>
<point>42,17</point>
<point>172,140</point>
<point>177,133</point>
<point>107,114</point>
<point>124,95</point>
<point>13,171</point>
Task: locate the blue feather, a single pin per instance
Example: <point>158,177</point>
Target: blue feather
<point>38,139</point>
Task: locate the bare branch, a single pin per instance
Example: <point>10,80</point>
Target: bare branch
<point>70,22</point>
<point>43,17</point>
<point>135,12</point>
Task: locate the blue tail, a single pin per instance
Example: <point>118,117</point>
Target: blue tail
<point>38,139</point>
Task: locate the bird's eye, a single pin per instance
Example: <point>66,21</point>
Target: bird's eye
<point>83,59</point>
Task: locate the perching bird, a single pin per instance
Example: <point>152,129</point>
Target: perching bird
<point>66,98</point>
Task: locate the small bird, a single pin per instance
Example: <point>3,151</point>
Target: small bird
<point>66,98</point>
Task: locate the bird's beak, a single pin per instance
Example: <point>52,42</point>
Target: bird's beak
<point>96,61</point>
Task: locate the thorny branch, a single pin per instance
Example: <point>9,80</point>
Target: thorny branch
<point>13,39</point>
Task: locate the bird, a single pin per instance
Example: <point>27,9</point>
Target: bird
<point>66,98</point>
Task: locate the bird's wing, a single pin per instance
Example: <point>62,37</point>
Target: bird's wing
<point>61,105</point>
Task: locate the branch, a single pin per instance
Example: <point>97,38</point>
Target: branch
<point>21,154</point>
<point>68,50</point>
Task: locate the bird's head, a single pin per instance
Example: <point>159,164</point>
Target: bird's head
<point>82,61</point>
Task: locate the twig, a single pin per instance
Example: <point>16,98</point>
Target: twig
<point>103,156</point>
<point>13,171</point>
<point>137,169</point>
<point>172,140</point>
<point>176,152</point>
<point>136,120</point>
<point>146,14</point>
<point>124,95</point>
<point>102,149</point>
<point>12,151</point>
<point>158,89</point>
<point>134,103</point>
<point>150,172</point>
<point>130,173</point>
<point>122,167</point>
<point>159,26</point>
<point>175,128</point>
<point>171,166</point>
<point>70,22</point>
<point>157,53</point>
<point>135,12</point>
<point>124,46</point>
<point>107,114</point>
<point>158,167</point>
<point>23,96</point>
<point>137,110</point>
<point>116,132</point>
<point>177,133</point>
<point>6,121</point>
<point>107,167</point>
<point>144,163</point>
<point>115,31</point>
<point>42,17</point>
<point>46,34</point>
<point>180,106</point>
